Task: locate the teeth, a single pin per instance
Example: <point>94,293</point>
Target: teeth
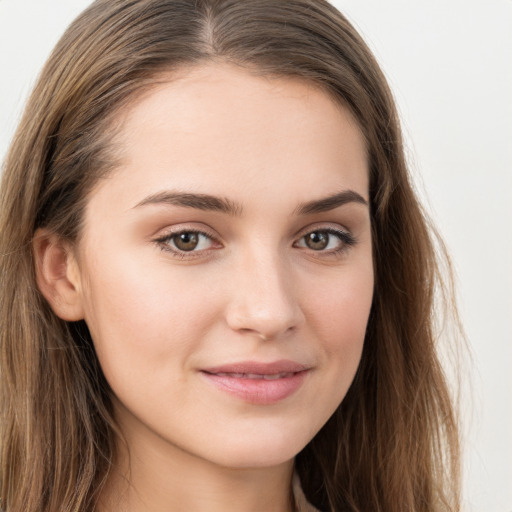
<point>277,376</point>
<point>255,376</point>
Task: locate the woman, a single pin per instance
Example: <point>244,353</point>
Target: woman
<point>217,280</point>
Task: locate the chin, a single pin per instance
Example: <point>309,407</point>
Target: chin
<point>267,449</point>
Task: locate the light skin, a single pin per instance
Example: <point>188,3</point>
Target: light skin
<point>236,229</point>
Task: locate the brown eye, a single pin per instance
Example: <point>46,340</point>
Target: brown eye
<point>187,241</point>
<point>328,241</point>
<point>193,243</point>
<point>317,240</point>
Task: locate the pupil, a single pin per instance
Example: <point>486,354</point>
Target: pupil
<point>187,241</point>
<point>317,240</point>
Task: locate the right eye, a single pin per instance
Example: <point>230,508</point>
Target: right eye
<point>186,241</point>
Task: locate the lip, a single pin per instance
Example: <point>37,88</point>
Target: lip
<point>256,382</point>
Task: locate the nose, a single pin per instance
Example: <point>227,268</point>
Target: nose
<point>263,300</point>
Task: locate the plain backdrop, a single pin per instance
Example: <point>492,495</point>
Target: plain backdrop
<point>449,63</point>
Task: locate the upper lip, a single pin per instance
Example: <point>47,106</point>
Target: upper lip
<point>259,368</point>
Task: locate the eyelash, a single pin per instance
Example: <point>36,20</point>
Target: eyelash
<point>346,239</point>
<point>165,241</point>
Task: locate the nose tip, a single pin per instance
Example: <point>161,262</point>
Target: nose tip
<point>263,303</point>
<point>261,326</point>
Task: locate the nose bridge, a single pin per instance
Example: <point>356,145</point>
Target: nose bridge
<point>263,301</point>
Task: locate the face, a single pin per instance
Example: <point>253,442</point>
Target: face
<point>225,268</point>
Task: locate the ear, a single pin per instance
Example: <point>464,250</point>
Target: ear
<point>57,275</point>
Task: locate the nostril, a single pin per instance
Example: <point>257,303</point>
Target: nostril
<point>267,335</point>
<point>255,333</point>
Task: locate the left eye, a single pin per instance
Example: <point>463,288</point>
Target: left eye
<point>325,240</point>
<point>188,241</point>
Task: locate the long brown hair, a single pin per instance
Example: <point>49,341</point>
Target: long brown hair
<point>392,444</point>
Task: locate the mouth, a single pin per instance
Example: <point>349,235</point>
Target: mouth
<point>258,383</point>
<point>254,376</point>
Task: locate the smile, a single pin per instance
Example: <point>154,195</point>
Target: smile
<point>255,375</point>
<point>258,383</point>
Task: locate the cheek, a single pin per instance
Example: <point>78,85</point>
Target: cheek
<point>339,317</point>
<point>140,319</point>
<point>337,320</point>
<point>340,312</point>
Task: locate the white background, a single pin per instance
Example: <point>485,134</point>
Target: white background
<point>449,63</point>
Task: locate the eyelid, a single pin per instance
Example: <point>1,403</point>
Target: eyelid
<point>164,239</point>
<point>323,226</point>
<point>347,239</point>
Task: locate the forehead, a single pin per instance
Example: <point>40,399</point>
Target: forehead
<point>222,128</point>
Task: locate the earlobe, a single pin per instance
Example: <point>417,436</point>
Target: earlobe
<point>57,275</point>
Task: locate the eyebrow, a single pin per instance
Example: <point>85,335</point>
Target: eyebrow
<point>330,203</point>
<point>224,205</point>
<point>197,201</point>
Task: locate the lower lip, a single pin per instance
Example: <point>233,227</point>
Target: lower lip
<point>259,391</point>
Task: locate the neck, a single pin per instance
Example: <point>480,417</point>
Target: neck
<point>155,476</point>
